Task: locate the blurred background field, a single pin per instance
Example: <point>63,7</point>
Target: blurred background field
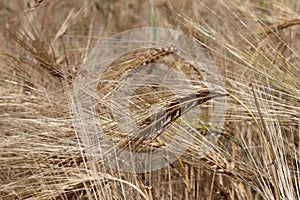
<point>254,43</point>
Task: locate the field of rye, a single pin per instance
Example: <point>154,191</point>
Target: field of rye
<point>250,150</point>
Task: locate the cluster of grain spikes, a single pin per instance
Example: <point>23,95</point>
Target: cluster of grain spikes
<point>256,155</point>
<point>260,63</point>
